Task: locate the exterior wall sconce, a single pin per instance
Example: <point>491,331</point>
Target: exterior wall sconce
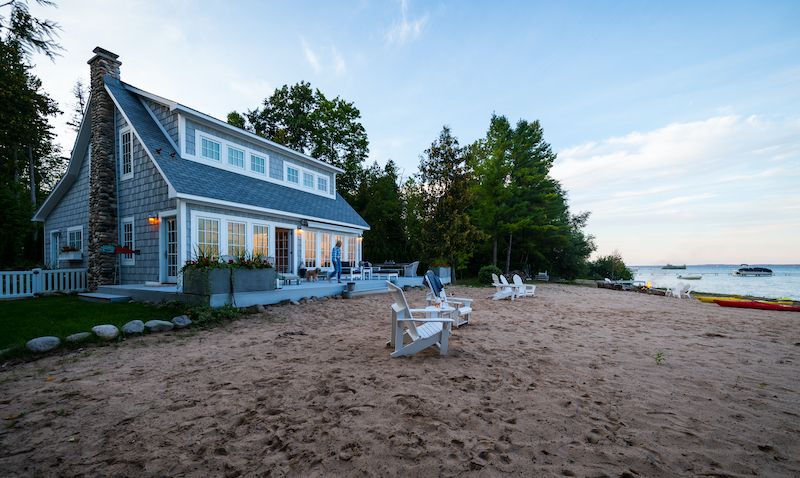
<point>154,220</point>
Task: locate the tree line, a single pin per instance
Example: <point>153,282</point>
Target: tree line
<point>490,202</point>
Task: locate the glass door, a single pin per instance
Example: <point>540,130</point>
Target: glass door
<point>282,249</point>
<point>170,238</point>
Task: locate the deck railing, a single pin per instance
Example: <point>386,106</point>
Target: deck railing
<point>16,284</point>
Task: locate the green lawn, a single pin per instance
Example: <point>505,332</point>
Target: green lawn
<point>24,319</point>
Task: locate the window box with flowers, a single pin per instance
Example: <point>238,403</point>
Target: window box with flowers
<point>210,276</point>
<point>70,253</point>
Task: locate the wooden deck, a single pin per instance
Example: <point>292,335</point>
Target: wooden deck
<point>167,293</point>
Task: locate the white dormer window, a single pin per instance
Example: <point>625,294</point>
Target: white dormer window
<point>258,164</point>
<point>322,184</point>
<point>209,149</point>
<point>235,157</point>
<point>308,180</point>
<point>292,174</point>
<point>126,154</point>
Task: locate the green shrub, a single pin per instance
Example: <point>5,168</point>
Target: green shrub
<point>611,266</point>
<point>485,274</point>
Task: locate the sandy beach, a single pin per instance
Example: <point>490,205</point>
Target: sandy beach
<point>563,384</point>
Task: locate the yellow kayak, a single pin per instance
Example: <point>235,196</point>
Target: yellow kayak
<point>711,299</point>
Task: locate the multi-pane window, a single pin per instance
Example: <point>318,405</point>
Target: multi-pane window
<point>127,241</point>
<point>236,238</point>
<point>126,153</point>
<point>351,250</point>
<point>311,248</point>
<point>258,164</point>
<point>75,239</point>
<point>308,180</point>
<point>209,149</point>
<point>261,240</point>
<point>235,157</point>
<point>325,249</point>
<point>208,237</point>
<point>292,174</point>
<point>322,184</point>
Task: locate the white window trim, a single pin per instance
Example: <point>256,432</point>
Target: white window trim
<point>223,164</point>
<point>228,156</point>
<point>124,177</point>
<point>127,261</point>
<point>249,223</point>
<point>248,236</point>
<point>266,164</point>
<point>73,229</point>
<point>199,144</point>
<point>286,167</point>
<point>300,184</point>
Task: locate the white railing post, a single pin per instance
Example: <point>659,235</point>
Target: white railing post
<point>38,281</point>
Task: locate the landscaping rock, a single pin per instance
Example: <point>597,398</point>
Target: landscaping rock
<point>43,344</point>
<point>294,302</point>
<point>181,321</point>
<point>158,326</point>
<point>133,327</point>
<point>79,337</point>
<point>260,308</point>
<point>106,331</point>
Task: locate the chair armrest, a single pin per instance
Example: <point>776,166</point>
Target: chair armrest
<point>461,300</point>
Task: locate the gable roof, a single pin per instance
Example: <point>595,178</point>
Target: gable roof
<point>196,181</point>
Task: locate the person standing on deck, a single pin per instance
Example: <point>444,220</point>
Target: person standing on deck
<point>336,260</point>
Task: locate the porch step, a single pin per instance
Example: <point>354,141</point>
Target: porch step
<point>103,298</point>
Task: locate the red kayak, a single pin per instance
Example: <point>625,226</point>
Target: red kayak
<point>754,304</point>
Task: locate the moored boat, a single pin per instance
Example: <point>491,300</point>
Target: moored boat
<point>753,272</point>
<point>672,266</point>
<point>690,276</point>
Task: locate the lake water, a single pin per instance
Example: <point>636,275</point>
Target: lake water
<point>717,278</point>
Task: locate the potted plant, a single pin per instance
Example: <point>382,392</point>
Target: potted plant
<point>69,253</point>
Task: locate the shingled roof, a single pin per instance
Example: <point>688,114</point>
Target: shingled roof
<point>188,178</point>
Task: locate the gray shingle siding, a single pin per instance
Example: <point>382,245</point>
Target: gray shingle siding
<point>71,210</point>
<point>167,118</point>
<point>141,196</point>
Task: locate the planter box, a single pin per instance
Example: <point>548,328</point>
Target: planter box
<point>208,282</point>
<point>444,273</point>
<point>218,281</point>
<point>251,280</point>
<point>70,256</point>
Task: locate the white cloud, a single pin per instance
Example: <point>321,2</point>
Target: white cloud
<point>678,191</point>
<point>311,57</point>
<point>406,29</point>
<point>339,64</point>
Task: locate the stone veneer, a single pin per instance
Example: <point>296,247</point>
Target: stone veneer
<point>102,179</point>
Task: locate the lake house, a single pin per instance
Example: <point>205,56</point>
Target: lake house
<point>152,176</point>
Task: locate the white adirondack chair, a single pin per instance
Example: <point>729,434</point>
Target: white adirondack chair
<point>523,289</point>
<point>496,282</point>
<point>423,333</point>
<point>505,290</point>
<point>680,291</point>
<point>463,305</point>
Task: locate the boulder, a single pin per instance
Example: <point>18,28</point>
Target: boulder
<point>133,327</point>
<point>106,331</point>
<point>79,337</point>
<point>158,326</point>
<point>43,344</point>
<point>294,302</point>
<point>181,321</point>
<point>260,308</point>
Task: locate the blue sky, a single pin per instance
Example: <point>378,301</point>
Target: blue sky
<point>676,123</point>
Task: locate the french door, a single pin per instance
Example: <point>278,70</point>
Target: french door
<point>170,247</point>
<point>283,239</point>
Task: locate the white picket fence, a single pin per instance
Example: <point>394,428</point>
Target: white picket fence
<point>15,284</point>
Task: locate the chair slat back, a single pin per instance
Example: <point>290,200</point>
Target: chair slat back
<point>503,280</point>
<point>399,298</point>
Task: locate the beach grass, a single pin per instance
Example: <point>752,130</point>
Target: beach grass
<point>60,316</point>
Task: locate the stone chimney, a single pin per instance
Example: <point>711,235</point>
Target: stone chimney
<point>103,228</point>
